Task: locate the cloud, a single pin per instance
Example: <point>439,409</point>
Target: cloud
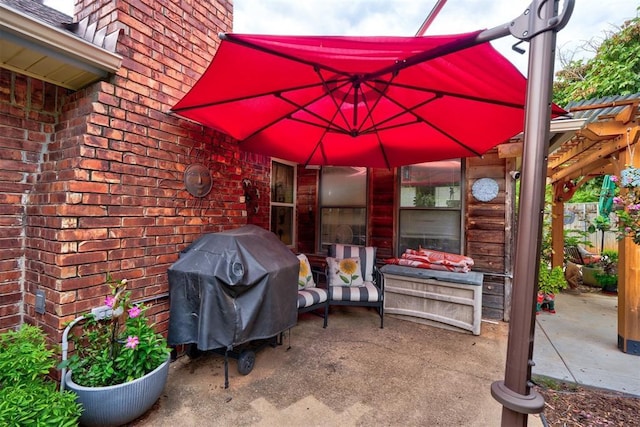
<point>590,19</point>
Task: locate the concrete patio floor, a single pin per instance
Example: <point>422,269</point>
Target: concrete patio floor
<point>579,344</point>
<point>352,373</point>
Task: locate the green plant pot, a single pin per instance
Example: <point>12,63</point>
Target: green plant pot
<point>122,403</point>
<point>589,276</point>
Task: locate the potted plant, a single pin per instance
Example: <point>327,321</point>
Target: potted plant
<point>28,397</point>
<point>607,277</point>
<point>120,364</point>
<point>627,204</point>
<point>550,282</point>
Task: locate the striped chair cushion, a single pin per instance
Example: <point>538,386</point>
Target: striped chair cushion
<point>311,296</point>
<point>369,292</point>
<point>367,255</point>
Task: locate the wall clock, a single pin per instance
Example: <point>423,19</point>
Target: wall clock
<point>485,189</point>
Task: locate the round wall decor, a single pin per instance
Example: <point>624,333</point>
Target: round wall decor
<point>197,180</point>
<point>485,189</point>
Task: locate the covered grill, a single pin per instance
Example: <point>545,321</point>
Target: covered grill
<point>232,287</point>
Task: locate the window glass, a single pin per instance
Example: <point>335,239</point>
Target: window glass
<point>343,199</point>
<point>282,183</point>
<point>344,186</point>
<point>283,201</point>
<point>431,185</point>
<point>282,223</point>
<point>430,206</point>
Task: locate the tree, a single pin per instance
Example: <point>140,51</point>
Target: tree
<point>614,70</point>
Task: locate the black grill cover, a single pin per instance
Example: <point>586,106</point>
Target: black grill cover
<point>232,287</point>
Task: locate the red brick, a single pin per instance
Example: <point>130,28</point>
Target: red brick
<point>81,210</point>
<point>88,187</point>
<point>83,258</point>
<point>94,164</point>
<point>74,235</point>
<point>98,245</point>
<point>120,254</point>
<point>80,282</point>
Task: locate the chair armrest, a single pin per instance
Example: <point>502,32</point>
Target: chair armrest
<point>378,278</point>
<point>320,277</point>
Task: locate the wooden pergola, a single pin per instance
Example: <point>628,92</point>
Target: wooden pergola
<point>599,140</point>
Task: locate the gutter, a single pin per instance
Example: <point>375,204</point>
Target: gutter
<point>45,38</point>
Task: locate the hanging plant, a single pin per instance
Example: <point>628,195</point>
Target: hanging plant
<point>628,204</point>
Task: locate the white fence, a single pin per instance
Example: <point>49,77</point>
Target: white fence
<point>578,216</point>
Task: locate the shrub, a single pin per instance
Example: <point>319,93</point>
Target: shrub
<point>27,395</point>
<point>551,281</point>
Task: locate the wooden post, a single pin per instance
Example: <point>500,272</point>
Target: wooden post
<point>628,288</point>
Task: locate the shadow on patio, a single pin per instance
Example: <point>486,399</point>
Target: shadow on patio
<point>352,373</point>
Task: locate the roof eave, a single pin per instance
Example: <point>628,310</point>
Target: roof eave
<point>37,36</point>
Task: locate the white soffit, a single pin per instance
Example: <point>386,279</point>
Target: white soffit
<point>36,49</point>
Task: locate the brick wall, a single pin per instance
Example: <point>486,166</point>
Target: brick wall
<point>28,111</point>
<point>99,179</point>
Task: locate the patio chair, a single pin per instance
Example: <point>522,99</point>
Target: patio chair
<point>363,286</point>
<point>311,297</point>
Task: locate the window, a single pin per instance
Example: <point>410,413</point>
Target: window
<point>430,206</point>
<point>343,206</point>
<point>283,201</point>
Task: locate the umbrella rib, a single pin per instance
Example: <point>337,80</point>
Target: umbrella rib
<point>404,111</point>
<point>366,103</point>
<point>231,38</point>
<point>419,118</point>
<point>243,98</point>
<point>459,95</point>
<point>331,92</point>
<point>302,107</point>
<point>460,143</point>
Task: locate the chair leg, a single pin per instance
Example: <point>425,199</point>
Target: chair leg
<point>326,314</point>
<point>381,311</point>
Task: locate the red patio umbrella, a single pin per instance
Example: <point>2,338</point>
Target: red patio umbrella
<point>360,101</point>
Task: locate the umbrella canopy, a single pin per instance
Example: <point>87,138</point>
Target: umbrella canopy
<point>360,101</point>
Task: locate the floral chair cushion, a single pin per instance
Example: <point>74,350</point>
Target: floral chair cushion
<point>344,271</point>
<point>367,255</point>
<point>305,278</point>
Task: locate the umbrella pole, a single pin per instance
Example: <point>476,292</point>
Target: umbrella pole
<point>515,392</point>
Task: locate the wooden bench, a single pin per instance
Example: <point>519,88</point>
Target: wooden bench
<point>577,256</point>
<point>437,298</point>
<point>571,253</point>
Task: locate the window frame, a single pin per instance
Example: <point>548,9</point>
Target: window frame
<point>321,208</point>
<point>293,204</point>
<point>460,209</point>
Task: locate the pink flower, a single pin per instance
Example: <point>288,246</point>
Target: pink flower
<point>614,178</point>
<point>134,312</point>
<point>109,301</point>
<point>132,342</point>
<point>618,200</point>
<point>634,207</point>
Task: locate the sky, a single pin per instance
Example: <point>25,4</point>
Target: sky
<point>591,19</point>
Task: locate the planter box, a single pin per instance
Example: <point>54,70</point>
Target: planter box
<point>589,276</point>
<point>438,298</point>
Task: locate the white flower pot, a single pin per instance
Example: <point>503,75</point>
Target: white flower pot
<point>119,404</point>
